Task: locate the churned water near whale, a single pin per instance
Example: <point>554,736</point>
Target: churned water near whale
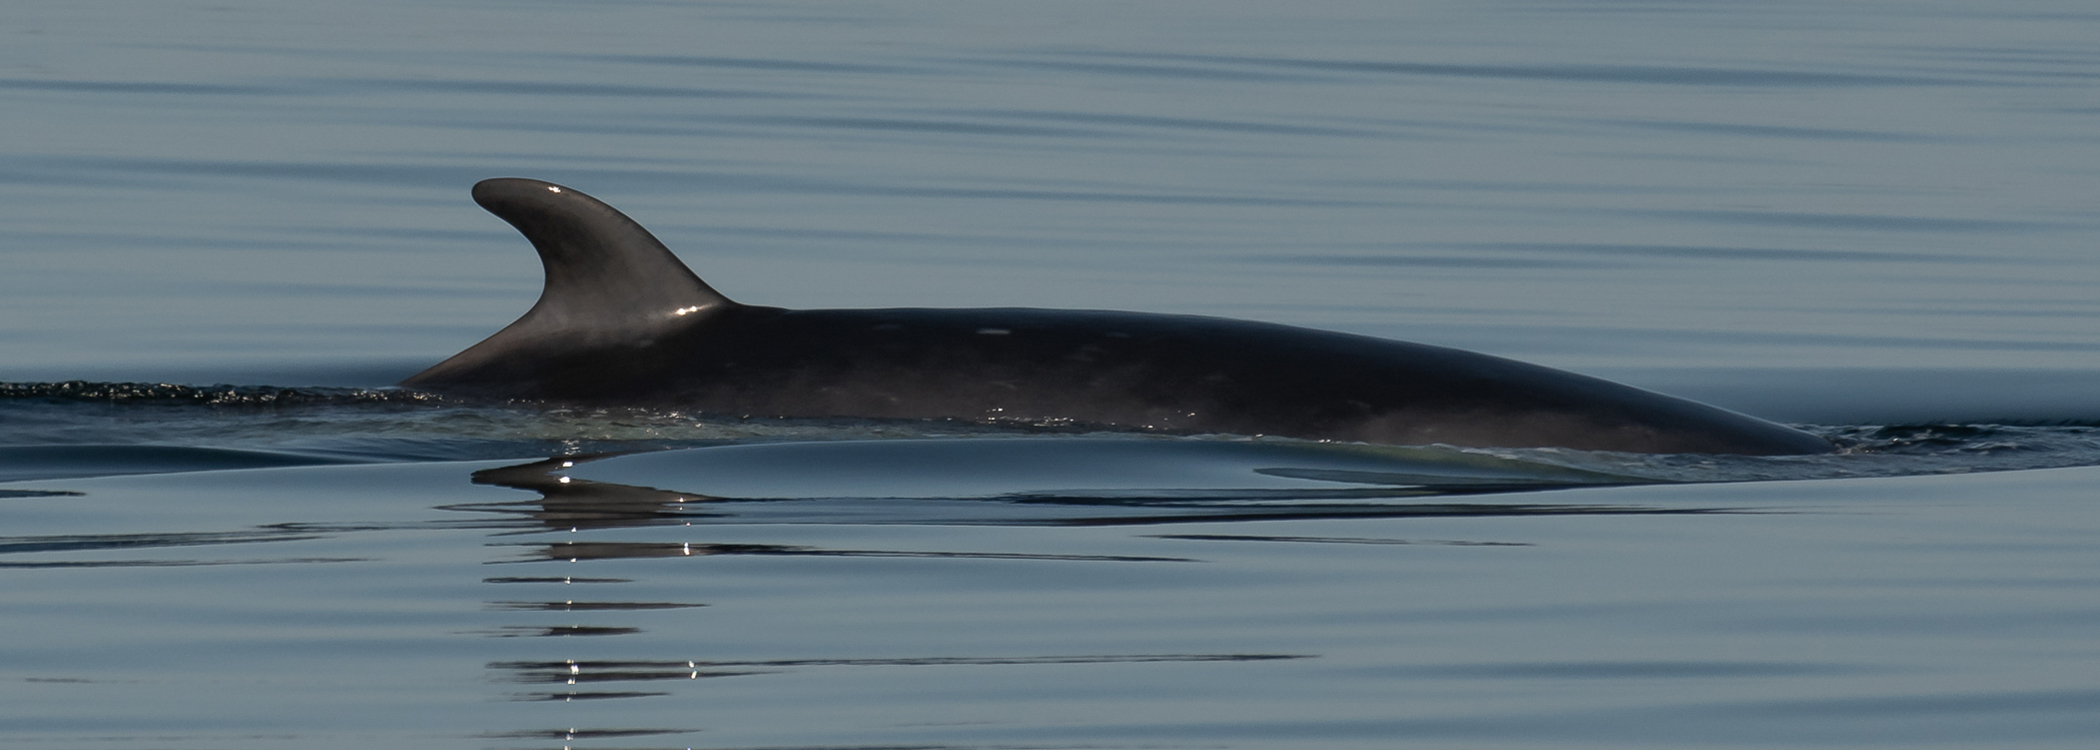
<point>1872,224</point>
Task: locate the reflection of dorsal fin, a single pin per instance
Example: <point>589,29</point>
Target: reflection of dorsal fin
<point>608,280</point>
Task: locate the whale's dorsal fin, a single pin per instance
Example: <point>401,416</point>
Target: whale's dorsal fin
<point>604,271</point>
<point>608,280</point>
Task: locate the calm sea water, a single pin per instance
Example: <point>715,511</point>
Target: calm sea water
<point>1872,219</point>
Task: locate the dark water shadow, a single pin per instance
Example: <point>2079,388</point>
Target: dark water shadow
<point>596,672</point>
<point>569,503</point>
<point>79,542</point>
<point>575,606</point>
<point>1329,540</point>
<point>72,543</point>
<point>172,563</point>
<point>579,734</point>
<point>27,462</point>
<point>579,551</point>
<point>555,631</point>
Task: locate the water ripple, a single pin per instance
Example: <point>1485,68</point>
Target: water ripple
<point>1635,74</point>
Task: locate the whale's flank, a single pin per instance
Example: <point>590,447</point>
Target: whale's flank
<point>622,321</point>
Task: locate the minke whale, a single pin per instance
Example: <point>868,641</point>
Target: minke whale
<point>622,322</point>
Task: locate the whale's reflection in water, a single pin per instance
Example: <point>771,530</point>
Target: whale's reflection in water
<point>1041,481</point>
<point>594,672</point>
<point>1028,483</point>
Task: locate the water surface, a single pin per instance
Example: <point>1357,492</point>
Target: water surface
<point>229,226</point>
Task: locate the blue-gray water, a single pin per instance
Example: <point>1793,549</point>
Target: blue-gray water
<point>1872,219</point>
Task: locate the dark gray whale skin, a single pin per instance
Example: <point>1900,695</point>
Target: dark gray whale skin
<point>623,322</point>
